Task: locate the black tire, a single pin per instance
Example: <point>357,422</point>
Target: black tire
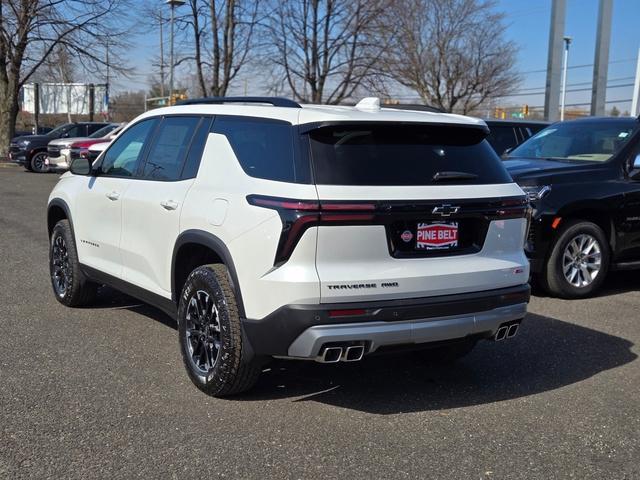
<point>37,162</point>
<point>447,354</point>
<point>553,278</point>
<point>70,286</point>
<point>208,320</point>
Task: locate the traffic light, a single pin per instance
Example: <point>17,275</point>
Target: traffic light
<point>176,97</point>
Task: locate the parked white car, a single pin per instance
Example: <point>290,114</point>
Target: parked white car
<point>308,232</point>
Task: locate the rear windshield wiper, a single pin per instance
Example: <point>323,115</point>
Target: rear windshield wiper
<point>443,176</point>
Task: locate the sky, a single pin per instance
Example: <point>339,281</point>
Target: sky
<point>527,24</point>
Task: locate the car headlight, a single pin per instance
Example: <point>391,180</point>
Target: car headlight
<point>536,192</point>
<point>23,143</point>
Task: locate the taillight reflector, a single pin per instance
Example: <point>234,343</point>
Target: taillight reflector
<point>347,312</point>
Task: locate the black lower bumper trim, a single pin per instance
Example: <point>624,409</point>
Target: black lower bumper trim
<point>273,334</point>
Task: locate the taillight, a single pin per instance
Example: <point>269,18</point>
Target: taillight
<point>299,215</point>
<point>517,207</point>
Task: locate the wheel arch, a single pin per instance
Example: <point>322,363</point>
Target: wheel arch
<point>591,211</point>
<point>198,247</point>
<point>58,210</point>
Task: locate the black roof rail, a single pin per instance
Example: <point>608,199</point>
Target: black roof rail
<point>413,106</point>
<point>275,101</point>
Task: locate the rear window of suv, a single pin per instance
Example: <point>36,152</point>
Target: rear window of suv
<point>404,154</point>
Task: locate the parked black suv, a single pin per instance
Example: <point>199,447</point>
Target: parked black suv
<point>505,135</point>
<point>583,179</point>
<point>31,150</point>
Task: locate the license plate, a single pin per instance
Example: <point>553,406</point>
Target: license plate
<point>437,236</point>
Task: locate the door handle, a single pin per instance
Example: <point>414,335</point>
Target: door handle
<point>169,205</point>
<point>113,195</point>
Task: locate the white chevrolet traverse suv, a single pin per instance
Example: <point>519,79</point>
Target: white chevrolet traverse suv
<point>270,229</point>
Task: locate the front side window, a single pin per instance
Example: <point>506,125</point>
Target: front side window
<point>104,131</point>
<point>59,131</point>
<point>124,155</point>
<point>394,154</point>
<point>170,148</point>
<point>75,131</point>
<point>580,141</point>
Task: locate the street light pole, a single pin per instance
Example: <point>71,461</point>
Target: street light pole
<point>636,90</point>
<point>567,42</point>
<point>161,57</point>
<point>173,4</point>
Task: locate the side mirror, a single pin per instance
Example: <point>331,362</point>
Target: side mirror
<point>80,166</point>
<point>635,168</point>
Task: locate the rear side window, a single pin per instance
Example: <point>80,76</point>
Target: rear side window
<point>169,149</point>
<point>403,155</point>
<point>263,147</point>
<point>190,169</point>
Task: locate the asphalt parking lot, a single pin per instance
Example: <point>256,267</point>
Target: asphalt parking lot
<point>102,393</point>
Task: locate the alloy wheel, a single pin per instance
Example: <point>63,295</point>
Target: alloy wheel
<point>202,332</point>
<point>61,272</point>
<point>581,260</point>
<point>38,163</point>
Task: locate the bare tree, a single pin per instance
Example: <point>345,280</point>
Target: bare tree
<point>326,48</point>
<point>220,37</point>
<point>451,52</point>
<point>31,30</point>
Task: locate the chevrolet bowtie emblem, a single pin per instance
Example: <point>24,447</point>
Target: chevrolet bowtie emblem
<point>445,210</point>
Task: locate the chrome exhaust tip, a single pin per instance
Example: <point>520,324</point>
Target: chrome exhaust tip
<point>501,334</point>
<point>353,353</point>
<point>331,355</point>
<point>513,330</point>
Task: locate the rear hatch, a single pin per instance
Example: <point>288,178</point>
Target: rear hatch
<point>413,210</point>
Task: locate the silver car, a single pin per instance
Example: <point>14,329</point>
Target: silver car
<point>59,150</point>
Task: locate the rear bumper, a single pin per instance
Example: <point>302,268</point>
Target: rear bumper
<point>301,330</point>
<point>381,334</point>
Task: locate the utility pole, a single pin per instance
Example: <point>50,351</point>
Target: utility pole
<point>567,43</point>
<point>636,90</point>
<point>173,4</point>
<point>601,61</point>
<point>106,92</point>
<point>554,62</point>
<point>161,58</point>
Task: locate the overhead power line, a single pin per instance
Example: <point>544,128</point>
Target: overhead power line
<point>571,67</point>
